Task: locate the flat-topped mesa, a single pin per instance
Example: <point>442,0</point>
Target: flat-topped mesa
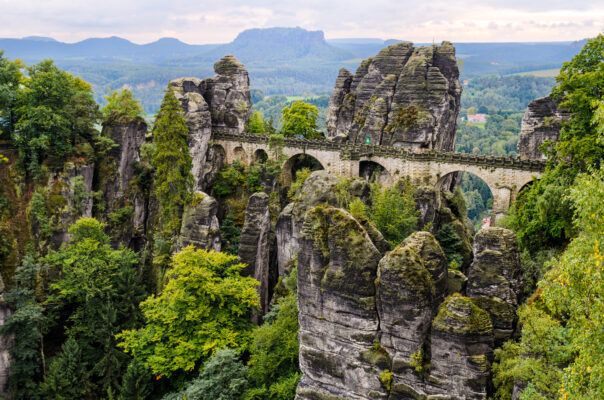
<point>221,104</point>
<point>404,96</point>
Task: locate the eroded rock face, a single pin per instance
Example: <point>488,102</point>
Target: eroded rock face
<point>337,266</point>
<point>404,96</point>
<point>462,350</point>
<point>495,278</point>
<point>200,226</point>
<point>319,188</point>
<point>542,121</point>
<point>70,192</point>
<point>218,104</point>
<point>254,245</point>
<point>116,175</point>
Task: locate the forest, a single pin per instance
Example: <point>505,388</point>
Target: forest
<point>94,318</point>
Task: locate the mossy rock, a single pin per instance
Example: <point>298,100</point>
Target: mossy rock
<point>228,65</point>
<point>377,356</point>
<point>459,315</point>
<point>456,281</point>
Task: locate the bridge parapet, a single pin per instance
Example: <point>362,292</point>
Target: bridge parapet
<point>356,151</point>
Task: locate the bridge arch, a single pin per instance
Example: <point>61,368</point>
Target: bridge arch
<point>374,171</point>
<point>260,156</point>
<point>295,163</point>
<point>479,196</point>
<point>239,153</point>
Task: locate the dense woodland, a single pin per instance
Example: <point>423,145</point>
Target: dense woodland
<point>96,321</point>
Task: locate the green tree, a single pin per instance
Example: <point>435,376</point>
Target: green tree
<point>562,344</point>
<point>67,376</point>
<point>580,86</point>
<point>273,364</point>
<point>122,105</point>
<point>55,112</point>
<point>25,326</point>
<point>97,292</point>
<point>256,124</point>
<point>300,120</point>
<point>203,308</point>
<point>393,211</point>
<point>223,377</point>
<point>172,162</point>
<point>10,78</point>
<point>137,384</point>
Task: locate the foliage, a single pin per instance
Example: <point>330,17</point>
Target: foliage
<point>230,179</point>
<point>67,376</point>
<point>204,307</point>
<point>562,341</point>
<point>580,86</point>
<point>300,120</point>
<point>273,362</point>
<point>122,104</point>
<point>10,78</point>
<point>271,107</point>
<point>498,137</point>
<point>451,243</point>
<point>223,377</point>
<point>256,123</point>
<point>296,186</point>
<point>357,208</point>
<point>393,211</point>
<point>55,111</point>
<point>230,234</point>
<point>386,378</point>
<point>98,292</point>
<point>172,162</point>
<point>25,326</point>
<point>136,383</point>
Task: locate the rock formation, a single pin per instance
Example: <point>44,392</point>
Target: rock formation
<point>404,96</point>
<point>339,323</point>
<point>6,343</point>
<point>542,121</point>
<point>495,278</point>
<point>219,104</point>
<point>115,175</point>
<point>200,226</point>
<point>70,194</point>
<point>254,245</point>
<point>374,327</point>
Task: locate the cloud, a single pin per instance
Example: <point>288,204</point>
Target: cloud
<point>204,21</point>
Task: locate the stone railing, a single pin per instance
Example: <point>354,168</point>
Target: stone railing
<point>357,151</point>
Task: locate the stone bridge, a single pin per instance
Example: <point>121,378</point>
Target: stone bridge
<point>505,176</point>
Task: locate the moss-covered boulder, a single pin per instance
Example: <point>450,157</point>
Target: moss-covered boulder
<point>200,226</point>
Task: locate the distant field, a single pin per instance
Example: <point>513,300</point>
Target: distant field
<point>542,73</point>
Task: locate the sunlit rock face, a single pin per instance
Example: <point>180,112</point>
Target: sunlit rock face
<point>404,96</point>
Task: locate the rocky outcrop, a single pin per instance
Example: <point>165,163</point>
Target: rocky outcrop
<point>495,278</point>
<point>542,121</point>
<point>124,204</point>
<point>254,245</point>
<point>339,323</point>
<point>319,188</point>
<point>69,196</point>
<point>461,350</point>
<point>218,104</point>
<point>404,96</point>
<point>200,226</point>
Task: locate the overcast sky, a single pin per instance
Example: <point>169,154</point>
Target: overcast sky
<point>219,21</point>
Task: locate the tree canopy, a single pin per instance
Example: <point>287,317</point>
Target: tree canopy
<point>203,308</point>
<point>122,105</point>
<point>300,120</point>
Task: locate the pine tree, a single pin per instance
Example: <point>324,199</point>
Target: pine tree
<point>172,162</point>
<point>25,326</point>
<point>137,382</point>
<point>66,378</point>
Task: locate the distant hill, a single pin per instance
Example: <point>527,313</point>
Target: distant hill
<point>288,61</point>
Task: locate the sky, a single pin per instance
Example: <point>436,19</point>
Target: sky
<point>219,21</point>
